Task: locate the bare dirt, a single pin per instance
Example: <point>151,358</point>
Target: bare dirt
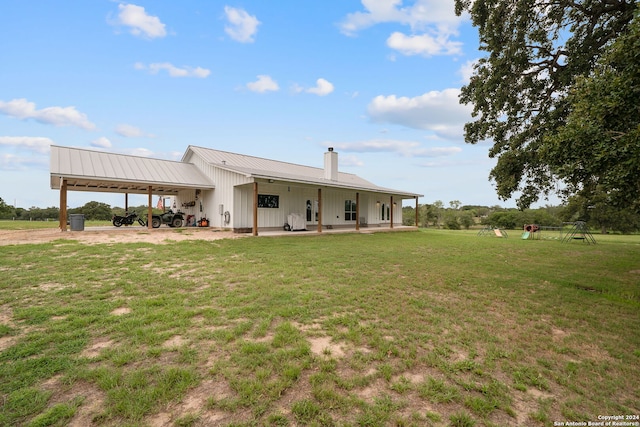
<point>96,235</point>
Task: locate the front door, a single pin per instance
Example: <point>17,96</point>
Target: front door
<point>385,213</point>
<point>312,211</point>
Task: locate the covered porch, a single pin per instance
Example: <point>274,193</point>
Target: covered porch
<point>321,208</point>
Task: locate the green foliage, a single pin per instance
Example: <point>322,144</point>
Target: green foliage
<point>461,419</point>
<point>6,211</point>
<point>601,214</point>
<point>536,54</point>
<point>57,415</point>
<point>597,151</point>
<point>94,211</point>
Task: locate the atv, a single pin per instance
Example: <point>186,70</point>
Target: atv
<point>172,219</point>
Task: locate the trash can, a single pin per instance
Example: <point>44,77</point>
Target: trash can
<point>77,222</point>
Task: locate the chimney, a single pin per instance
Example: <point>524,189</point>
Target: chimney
<point>331,165</point>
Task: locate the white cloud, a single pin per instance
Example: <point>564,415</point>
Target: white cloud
<point>139,23</point>
<point>436,111</point>
<point>129,131</point>
<point>425,44</point>
<point>403,148</point>
<point>466,71</point>
<point>11,162</point>
<point>296,88</point>
<point>242,26</point>
<point>350,161</point>
<point>432,24</point>
<point>173,71</point>
<point>101,142</point>
<point>421,14</point>
<point>263,84</point>
<point>57,116</point>
<point>36,144</point>
<point>322,88</point>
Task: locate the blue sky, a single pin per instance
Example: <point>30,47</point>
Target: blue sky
<point>378,80</point>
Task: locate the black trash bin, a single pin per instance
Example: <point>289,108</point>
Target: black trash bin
<point>76,221</point>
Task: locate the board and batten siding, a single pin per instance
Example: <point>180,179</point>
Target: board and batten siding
<point>293,199</point>
<point>225,182</point>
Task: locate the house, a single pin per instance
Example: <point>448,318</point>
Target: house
<point>234,191</point>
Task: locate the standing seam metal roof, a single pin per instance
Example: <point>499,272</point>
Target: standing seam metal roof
<point>272,169</point>
<point>84,166</point>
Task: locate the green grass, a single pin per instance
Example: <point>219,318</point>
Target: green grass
<point>37,225</point>
<point>420,328</point>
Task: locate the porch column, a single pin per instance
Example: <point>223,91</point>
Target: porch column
<point>149,210</point>
<point>357,211</point>
<point>63,205</point>
<point>391,207</point>
<point>255,208</point>
<point>126,202</point>
<point>417,216</point>
<point>319,210</point>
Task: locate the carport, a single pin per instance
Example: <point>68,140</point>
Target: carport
<point>75,169</point>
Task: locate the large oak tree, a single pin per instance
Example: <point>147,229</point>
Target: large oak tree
<point>545,62</point>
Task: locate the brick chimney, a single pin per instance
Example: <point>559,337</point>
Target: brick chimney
<point>331,165</point>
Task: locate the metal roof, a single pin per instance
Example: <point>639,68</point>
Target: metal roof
<point>89,170</point>
<point>257,167</point>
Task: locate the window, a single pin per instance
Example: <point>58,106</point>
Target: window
<point>268,201</point>
<point>349,210</point>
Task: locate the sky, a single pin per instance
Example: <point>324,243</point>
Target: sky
<point>378,80</point>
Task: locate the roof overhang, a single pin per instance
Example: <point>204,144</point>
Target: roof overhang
<point>120,186</point>
<point>334,184</point>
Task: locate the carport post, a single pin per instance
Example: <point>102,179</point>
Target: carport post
<point>63,205</point>
<point>319,210</point>
<point>417,212</point>
<point>255,208</point>
<point>149,211</point>
<point>357,211</point>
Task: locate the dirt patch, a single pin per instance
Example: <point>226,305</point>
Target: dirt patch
<point>120,311</point>
<point>174,342</point>
<point>558,334</point>
<point>323,346</point>
<point>98,235</point>
<point>92,405</point>
<point>94,349</point>
<point>195,403</point>
<point>6,342</point>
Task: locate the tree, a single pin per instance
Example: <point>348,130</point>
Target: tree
<point>599,213</point>
<point>519,91</point>
<point>94,211</point>
<point>408,216</point>
<point>5,210</point>
<point>604,121</point>
<point>466,219</point>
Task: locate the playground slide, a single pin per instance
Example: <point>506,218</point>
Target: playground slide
<point>525,235</point>
<point>498,233</point>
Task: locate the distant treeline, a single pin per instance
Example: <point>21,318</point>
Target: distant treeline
<point>93,211</point>
<point>602,217</point>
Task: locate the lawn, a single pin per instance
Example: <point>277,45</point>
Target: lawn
<point>422,328</point>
